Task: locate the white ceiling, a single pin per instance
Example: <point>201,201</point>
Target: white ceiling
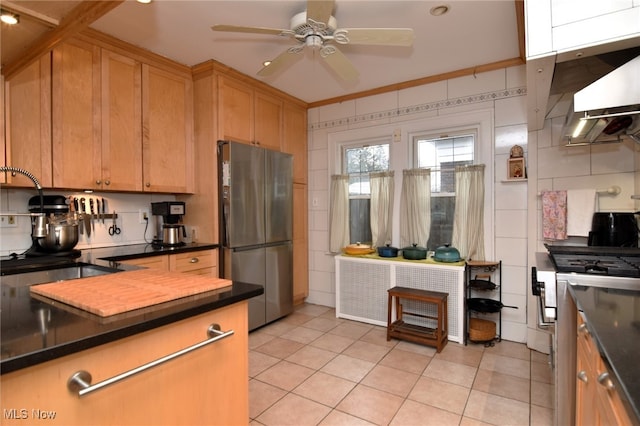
<point>473,33</point>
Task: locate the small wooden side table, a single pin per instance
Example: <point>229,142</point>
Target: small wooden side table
<point>437,337</point>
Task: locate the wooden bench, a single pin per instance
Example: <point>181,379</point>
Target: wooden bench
<point>400,329</point>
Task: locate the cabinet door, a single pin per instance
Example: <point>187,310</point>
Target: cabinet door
<point>28,123</point>
<point>76,116</point>
<point>202,262</point>
<point>295,140</point>
<point>235,110</point>
<point>300,249</point>
<point>205,386</point>
<point>167,117</point>
<point>3,127</point>
<point>156,262</point>
<point>268,121</point>
<point>121,123</point>
<point>586,408</point>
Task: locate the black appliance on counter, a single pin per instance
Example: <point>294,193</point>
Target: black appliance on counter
<point>614,229</point>
<point>555,272</point>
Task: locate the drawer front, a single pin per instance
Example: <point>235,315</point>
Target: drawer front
<point>191,261</point>
<point>157,262</point>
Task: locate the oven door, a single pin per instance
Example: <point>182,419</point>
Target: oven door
<point>543,286</point>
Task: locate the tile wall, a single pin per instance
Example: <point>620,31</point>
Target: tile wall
<point>503,93</point>
<point>516,208</point>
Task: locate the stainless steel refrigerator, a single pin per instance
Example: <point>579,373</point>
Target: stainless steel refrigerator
<point>256,189</point>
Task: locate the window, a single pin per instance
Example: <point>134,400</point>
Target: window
<point>358,161</point>
<point>442,154</point>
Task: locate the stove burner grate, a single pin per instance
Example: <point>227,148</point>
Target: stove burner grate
<point>598,265</point>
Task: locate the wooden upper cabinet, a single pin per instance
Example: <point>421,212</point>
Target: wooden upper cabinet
<point>121,123</point>
<point>235,110</point>
<point>28,123</point>
<point>295,140</point>
<point>248,115</point>
<point>76,115</point>
<point>268,121</point>
<point>167,131</point>
<point>3,150</point>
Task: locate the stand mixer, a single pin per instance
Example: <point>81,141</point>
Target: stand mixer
<point>61,226</point>
<point>170,231</point>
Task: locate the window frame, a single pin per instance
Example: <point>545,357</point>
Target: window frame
<point>401,154</point>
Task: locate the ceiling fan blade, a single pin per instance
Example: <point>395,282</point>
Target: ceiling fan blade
<point>339,63</point>
<point>283,60</point>
<point>320,10</point>
<point>253,30</point>
<point>375,36</point>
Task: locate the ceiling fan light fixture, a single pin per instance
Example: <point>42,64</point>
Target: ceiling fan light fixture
<point>313,41</point>
<point>9,18</point>
<point>266,63</point>
<point>439,10</point>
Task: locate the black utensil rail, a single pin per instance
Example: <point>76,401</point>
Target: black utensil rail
<point>483,298</point>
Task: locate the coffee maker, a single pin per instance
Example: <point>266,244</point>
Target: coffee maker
<point>170,231</point>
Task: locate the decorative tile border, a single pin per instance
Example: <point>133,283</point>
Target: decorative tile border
<point>415,109</point>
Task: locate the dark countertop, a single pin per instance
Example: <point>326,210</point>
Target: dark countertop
<point>613,319</point>
<point>38,330</point>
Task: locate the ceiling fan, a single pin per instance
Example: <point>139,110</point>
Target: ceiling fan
<point>317,29</point>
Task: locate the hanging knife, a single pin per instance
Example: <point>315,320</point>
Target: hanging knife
<point>104,210</point>
<point>78,207</point>
<point>98,208</point>
<point>93,224</point>
<point>85,216</point>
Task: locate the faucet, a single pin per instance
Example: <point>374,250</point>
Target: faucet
<point>40,228</point>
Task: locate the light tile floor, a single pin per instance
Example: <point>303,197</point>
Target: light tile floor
<point>311,368</point>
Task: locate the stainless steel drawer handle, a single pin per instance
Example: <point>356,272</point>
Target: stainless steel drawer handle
<point>80,381</point>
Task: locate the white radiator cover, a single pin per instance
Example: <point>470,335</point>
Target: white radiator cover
<point>362,284</point>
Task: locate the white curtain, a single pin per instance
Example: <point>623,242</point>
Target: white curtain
<point>415,207</point>
<point>468,220</point>
<point>339,213</point>
<point>381,210</point>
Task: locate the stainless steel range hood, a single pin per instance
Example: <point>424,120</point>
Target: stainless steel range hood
<point>608,109</point>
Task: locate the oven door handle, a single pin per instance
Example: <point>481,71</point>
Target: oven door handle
<point>545,320</point>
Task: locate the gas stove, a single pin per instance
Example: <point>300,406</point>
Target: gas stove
<point>592,260</point>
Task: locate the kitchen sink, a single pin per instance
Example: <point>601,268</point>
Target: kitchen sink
<point>57,273</point>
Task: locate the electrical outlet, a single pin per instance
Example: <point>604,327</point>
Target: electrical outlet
<point>143,215</point>
<point>8,221</point>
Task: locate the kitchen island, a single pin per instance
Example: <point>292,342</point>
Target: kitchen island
<point>612,318</point>
<point>44,343</point>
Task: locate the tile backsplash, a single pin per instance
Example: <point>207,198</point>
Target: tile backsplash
<point>17,239</point>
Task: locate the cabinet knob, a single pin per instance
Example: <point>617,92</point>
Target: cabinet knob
<point>582,329</point>
<point>606,381</point>
<point>147,184</point>
<point>98,181</point>
<point>194,260</point>
<point>582,376</point>
<point>107,182</point>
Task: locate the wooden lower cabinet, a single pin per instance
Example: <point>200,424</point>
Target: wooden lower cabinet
<point>206,386</point>
<point>596,404</point>
<point>300,245</point>
<point>203,262</point>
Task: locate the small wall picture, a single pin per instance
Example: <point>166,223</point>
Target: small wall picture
<point>516,168</point>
